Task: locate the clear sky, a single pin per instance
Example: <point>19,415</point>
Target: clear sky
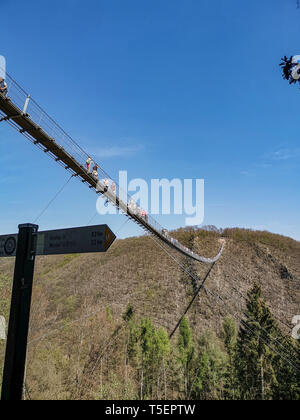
<point>162,89</point>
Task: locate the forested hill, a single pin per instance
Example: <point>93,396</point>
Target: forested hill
<point>100,323</point>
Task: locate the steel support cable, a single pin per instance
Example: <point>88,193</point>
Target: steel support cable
<point>53,199</point>
<point>238,292</point>
<point>32,140</point>
<point>243,297</point>
<point>283,355</point>
<point>95,215</point>
<point>244,323</point>
<point>194,276</point>
<point>270,336</point>
<point>284,337</point>
<point>230,296</point>
<point>92,218</point>
<point>28,135</point>
<point>122,226</point>
<point>118,230</point>
<point>216,295</point>
<point>236,317</point>
<point>192,301</point>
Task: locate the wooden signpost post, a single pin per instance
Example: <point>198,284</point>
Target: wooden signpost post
<point>25,246</point>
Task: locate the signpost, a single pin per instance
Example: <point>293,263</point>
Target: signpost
<point>63,241</point>
<point>25,246</point>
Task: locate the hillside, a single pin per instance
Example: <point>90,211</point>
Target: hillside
<point>79,300</point>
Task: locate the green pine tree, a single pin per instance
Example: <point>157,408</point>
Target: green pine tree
<point>254,358</point>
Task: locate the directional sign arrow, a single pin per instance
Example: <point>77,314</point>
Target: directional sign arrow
<point>64,241</point>
<point>109,237</point>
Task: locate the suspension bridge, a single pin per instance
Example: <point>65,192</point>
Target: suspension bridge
<point>24,114</point>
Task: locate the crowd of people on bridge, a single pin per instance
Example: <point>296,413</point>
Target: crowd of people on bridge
<point>132,207</point>
<point>107,186</point>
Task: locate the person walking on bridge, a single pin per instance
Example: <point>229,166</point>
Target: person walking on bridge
<point>113,188</point>
<point>95,171</point>
<point>106,185</point>
<point>144,215</point>
<point>3,86</point>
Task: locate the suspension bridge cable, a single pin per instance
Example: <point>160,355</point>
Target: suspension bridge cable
<point>287,349</point>
<point>238,292</point>
<point>122,226</point>
<point>195,277</point>
<point>95,215</point>
<point>92,218</point>
<point>269,334</point>
<point>53,199</point>
<point>245,324</point>
<point>239,319</point>
<point>192,301</point>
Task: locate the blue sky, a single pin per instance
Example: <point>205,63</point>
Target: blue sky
<point>162,89</point>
